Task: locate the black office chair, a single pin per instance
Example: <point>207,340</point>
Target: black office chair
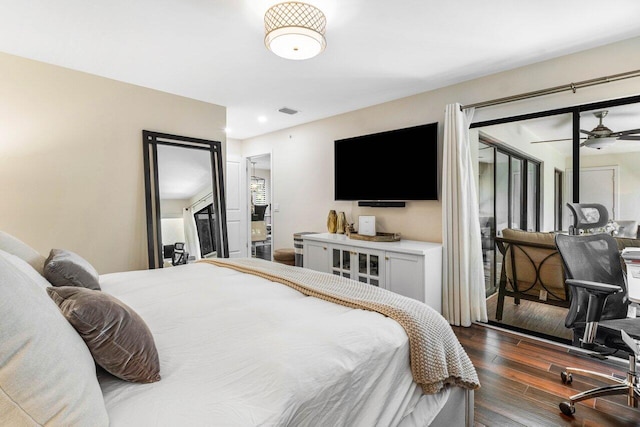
<point>587,216</point>
<point>180,256</point>
<point>258,212</point>
<point>598,312</point>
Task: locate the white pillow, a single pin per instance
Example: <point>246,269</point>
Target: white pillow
<point>25,268</point>
<point>10,244</point>
<point>47,375</point>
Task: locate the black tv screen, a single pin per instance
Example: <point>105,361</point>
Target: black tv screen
<point>395,165</point>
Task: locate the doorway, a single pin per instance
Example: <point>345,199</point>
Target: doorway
<point>259,206</point>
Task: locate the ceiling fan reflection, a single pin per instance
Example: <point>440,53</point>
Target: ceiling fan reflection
<point>601,136</point>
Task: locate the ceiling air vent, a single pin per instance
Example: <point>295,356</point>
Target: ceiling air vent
<point>288,110</point>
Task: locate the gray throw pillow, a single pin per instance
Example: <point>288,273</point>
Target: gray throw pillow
<point>117,337</point>
<point>66,268</point>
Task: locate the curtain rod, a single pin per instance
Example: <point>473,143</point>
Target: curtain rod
<point>571,86</point>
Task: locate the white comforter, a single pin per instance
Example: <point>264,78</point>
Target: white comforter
<point>238,350</point>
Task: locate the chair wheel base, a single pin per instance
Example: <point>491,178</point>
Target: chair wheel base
<point>566,378</point>
<point>567,408</point>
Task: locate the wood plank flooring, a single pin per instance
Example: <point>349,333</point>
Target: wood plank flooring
<point>521,386</point>
<point>543,318</point>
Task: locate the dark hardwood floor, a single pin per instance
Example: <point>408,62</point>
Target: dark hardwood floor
<point>521,386</point>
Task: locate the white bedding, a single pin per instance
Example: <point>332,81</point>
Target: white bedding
<point>238,350</point>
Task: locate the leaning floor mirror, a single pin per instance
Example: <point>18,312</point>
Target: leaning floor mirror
<point>184,191</point>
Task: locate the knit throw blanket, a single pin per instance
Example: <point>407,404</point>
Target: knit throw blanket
<point>437,358</point>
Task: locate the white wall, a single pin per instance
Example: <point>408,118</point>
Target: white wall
<point>628,180</point>
<point>172,230</point>
<point>302,162</point>
<point>173,208</point>
<point>71,171</point>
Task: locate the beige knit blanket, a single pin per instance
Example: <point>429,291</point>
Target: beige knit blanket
<point>437,358</point>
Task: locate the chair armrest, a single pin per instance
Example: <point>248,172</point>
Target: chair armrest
<point>594,287</point>
<point>598,293</point>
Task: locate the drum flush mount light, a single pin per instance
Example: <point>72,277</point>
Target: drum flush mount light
<point>295,30</point>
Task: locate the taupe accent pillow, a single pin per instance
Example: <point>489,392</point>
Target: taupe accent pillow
<point>66,268</point>
<point>47,375</point>
<point>116,335</point>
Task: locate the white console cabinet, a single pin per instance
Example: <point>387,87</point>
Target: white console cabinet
<point>408,267</point>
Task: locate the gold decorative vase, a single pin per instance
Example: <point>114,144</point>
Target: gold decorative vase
<point>332,221</point>
<point>342,223</point>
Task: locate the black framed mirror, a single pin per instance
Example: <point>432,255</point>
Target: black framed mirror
<point>185,201</point>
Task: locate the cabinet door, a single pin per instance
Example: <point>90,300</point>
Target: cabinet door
<point>405,274</point>
<point>316,256</point>
<point>340,260</point>
<point>369,267</point>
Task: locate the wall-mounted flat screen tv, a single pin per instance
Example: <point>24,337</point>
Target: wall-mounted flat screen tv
<point>396,165</point>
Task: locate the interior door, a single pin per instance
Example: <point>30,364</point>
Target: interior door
<point>236,221</point>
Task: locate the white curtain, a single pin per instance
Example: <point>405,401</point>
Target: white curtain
<point>191,243</point>
<point>463,290</point>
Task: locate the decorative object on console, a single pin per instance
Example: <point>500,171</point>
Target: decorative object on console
<point>379,237</point>
<point>295,30</point>
<point>342,223</point>
<point>332,221</point>
<point>350,229</point>
<point>367,225</point>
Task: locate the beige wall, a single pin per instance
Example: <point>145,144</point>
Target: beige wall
<point>302,174</point>
<point>71,173</point>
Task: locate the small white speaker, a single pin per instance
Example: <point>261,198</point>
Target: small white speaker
<point>367,225</point>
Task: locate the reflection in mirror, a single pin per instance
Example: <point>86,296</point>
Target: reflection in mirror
<point>185,199</point>
<point>517,162</point>
<point>525,177</point>
<point>609,167</point>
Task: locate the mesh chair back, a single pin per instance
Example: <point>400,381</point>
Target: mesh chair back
<point>259,212</point>
<point>594,258</point>
<point>588,215</point>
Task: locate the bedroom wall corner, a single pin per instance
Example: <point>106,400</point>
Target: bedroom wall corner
<point>71,172</point>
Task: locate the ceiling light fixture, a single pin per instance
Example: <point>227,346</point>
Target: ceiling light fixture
<point>599,142</point>
<point>295,30</point>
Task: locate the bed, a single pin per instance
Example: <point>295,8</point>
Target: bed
<point>240,348</point>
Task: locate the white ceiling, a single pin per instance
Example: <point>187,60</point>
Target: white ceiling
<point>183,172</point>
<point>377,50</point>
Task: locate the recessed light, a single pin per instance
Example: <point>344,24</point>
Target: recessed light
<point>262,119</point>
<point>227,130</point>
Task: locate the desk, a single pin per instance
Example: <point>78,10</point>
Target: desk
<point>633,282</point>
<point>631,257</point>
